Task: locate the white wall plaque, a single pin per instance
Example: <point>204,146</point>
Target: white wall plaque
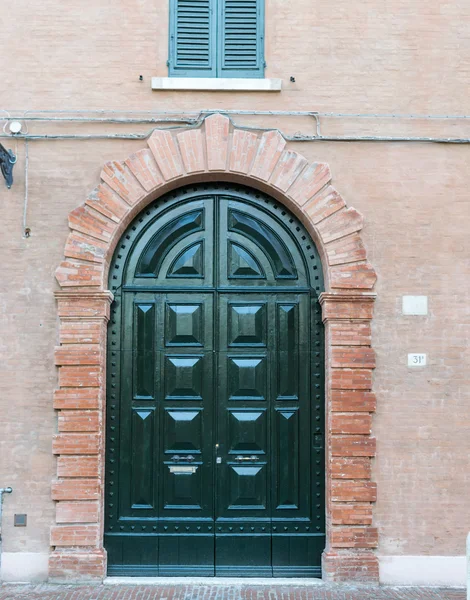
<point>416,360</point>
<point>415,305</point>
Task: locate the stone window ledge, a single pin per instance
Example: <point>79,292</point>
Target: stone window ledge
<point>222,84</point>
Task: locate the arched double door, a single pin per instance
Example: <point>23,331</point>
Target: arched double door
<point>214,458</point>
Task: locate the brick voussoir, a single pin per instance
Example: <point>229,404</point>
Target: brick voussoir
<point>105,201</point>
<point>310,181</point>
<point>165,151</point>
<point>353,276</point>
<point>77,274</point>
<point>346,250</point>
<point>243,151</point>
<point>340,224</point>
<point>191,150</point>
<point>121,179</point>
<point>270,148</point>
<point>289,167</point>
<point>324,204</point>
<point>83,247</point>
<point>144,168</point>
<point>89,221</point>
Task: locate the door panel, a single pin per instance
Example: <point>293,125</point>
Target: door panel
<point>215,413</point>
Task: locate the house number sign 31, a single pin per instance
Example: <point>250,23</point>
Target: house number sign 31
<point>416,360</point>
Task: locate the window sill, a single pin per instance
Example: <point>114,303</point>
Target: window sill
<point>222,84</point>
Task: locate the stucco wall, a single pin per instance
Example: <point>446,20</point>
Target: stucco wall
<point>414,197</point>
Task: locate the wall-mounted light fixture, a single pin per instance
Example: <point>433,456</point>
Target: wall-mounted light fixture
<point>7,162</point>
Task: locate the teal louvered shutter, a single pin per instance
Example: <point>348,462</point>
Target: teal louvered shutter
<point>193,38</point>
<point>240,38</point>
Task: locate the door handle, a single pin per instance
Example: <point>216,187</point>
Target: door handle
<point>188,458</point>
<point>251,458</point>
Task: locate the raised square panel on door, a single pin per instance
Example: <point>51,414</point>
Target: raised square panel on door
<point>183,377</point>
<point>183,431</point>
<point>185,320</point>
<point>246,378</point>
<point>246,324</point>
<point>247,432</point>
<point>184,324</point>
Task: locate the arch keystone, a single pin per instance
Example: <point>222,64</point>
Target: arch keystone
<point>217,128</point>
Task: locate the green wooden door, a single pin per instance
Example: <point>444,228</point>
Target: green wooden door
<point>214,460</point>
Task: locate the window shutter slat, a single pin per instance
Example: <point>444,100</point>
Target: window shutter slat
<point>241,38</point>
<point>192,38</point>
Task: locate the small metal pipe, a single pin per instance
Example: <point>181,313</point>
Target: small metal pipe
<point>26,229</point>
<point>289,138</point>
<point>102,120</point>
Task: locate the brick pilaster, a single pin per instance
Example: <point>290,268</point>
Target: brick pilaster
<point>351,536</point>
<point>77,537</point>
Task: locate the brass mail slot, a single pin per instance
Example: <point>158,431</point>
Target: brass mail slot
<point>182,469</point>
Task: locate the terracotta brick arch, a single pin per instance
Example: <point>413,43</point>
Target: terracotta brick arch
<point>214,151</point>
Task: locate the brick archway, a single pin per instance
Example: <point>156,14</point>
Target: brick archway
<point>214,151</point>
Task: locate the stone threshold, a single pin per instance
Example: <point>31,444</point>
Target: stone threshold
<point>215,581</point>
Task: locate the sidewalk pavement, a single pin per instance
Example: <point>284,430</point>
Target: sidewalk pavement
<point>228,591</point>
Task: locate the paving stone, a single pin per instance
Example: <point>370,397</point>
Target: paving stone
<point>225,592</point>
